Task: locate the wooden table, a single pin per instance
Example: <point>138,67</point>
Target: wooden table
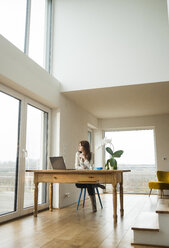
<point>79,176</point>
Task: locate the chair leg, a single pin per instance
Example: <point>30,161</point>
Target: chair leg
<point>161,193</point>
<point>84,196</point>
<point>79,198</point>
<point>99,197</point>
<point>150,192</point>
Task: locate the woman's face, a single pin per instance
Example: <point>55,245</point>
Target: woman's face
<point>80,148</point>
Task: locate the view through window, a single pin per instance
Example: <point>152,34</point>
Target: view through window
<point>27,24</point>
<point>36,152</point>
<point>138,156</point>
<point>23,145</point>
<point>37,32</point>
<point>12,21</point>
<point>9,124</point>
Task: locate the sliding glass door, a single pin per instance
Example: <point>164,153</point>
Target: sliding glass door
<point>9,140</point>
<point>36,152</point>
<point>23,145</point>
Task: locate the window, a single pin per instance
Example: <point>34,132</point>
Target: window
<point>27,24</point>
<point>90,137</point>
<point>138,156</point>
<point>12,21</point>
<point>37,32</point>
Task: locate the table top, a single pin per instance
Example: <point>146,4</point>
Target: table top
<point>78,171</point>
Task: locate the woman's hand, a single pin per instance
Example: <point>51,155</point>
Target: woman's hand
<point>82,157</point>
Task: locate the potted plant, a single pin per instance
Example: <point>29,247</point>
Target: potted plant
<point>112,162</point>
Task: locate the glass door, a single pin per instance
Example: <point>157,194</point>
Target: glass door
<point>23,145</point>
<point>9,152</point>
<point>35,153</point>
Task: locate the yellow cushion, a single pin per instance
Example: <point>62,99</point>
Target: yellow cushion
<point>158,185</point>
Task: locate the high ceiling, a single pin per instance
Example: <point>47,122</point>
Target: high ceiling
<point>124,101</point>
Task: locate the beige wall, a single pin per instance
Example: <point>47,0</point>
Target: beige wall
<point>160,123</point>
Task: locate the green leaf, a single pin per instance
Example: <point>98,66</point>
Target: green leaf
<point>113,162</point>
<point>115,165</point>
<point>107,167</point>
<point>109,150</point>
<point>107,164</point>
<point>118,154</point>
<point>108,161</point>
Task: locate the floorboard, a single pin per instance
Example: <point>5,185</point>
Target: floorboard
<point>68,228</point>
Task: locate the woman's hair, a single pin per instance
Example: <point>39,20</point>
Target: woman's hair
<point>86,147</point>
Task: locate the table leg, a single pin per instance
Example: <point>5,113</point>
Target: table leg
<point>51,197</point>
<point>115,202</point>
<point>36,200</point>
<point>121,199</point>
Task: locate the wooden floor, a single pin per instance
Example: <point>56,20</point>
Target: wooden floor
<point>68,228</point>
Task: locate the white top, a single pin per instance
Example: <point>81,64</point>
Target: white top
<point>82,165</point>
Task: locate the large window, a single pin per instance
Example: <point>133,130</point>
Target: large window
<point>139,157</point>
<point>27,24</point>
<point>23,145</point>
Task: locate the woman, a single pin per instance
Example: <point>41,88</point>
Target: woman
<point>83,161</point>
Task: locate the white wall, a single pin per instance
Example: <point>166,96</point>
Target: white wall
<point>161,125</point>
<point>103,43</point>
<point>73,128</point>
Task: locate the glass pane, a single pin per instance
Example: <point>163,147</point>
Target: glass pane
<point>9,112</point>
<point>90,137</point>
<point>36,152</point>
<point>37,31</point>
<point>12,21</point>
<point>138,156</point>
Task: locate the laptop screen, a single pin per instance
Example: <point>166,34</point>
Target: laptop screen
<point>57,163</point>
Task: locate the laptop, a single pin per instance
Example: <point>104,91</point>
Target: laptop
<point>58,163</point>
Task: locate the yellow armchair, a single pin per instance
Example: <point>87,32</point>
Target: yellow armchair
<point>162,183</point>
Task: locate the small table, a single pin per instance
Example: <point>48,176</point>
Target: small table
<point>79,176</point>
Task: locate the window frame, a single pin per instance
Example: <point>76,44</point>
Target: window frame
<point>142,128</point>
<point>135,129</point>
